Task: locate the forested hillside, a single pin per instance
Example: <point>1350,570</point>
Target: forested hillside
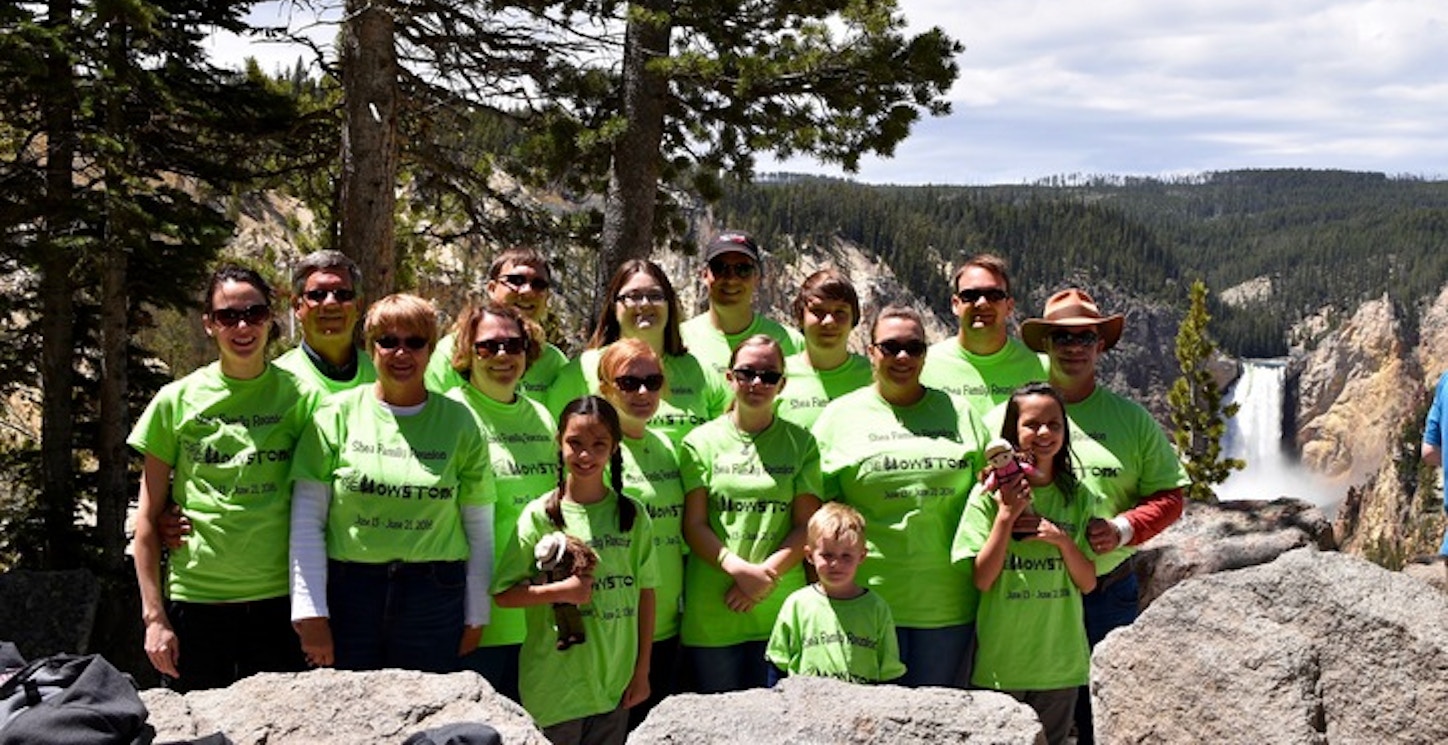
<point>1319,237</point>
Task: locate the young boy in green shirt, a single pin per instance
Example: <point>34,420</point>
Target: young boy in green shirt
<point>834,628</point>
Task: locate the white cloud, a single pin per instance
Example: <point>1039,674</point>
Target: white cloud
<point>1148,87</point>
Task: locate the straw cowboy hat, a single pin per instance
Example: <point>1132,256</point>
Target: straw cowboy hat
<point>1071,309</point>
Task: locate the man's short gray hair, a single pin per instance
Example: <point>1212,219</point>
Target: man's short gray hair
<point>326,259</point>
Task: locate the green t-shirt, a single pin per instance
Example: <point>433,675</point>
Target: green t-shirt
<point>588,678</point>
<point>398,482</point>
<point>983,380</point>
<point>753,480</point>
<point>1030,630</point>
<point>1120,454</point>
<point>441,377</point>
<point>692,395</point>
<point>525,465</point>
<point>651,478</point>
<point>907,469</point>
<point>807,391</point>
<point>850,639</point>
<point>229,444</point>
<point>299,364</point>
<point>713,347</point>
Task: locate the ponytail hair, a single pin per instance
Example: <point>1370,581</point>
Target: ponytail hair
<point>600,409</point>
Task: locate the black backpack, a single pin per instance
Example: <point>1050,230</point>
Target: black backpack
<point>70,699</point>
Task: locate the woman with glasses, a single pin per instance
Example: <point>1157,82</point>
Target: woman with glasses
<point>906,456</point>
<point>642,305</point>
<point>218,444</point>
<point>752,482</point>
<point>392,534</point>
<point>503,344</point>
<point>631,378</point>
<point>518,278</point>
<point>827,308</point>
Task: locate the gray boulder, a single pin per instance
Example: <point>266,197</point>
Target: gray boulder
<point>1315,647</point>
<point>801,711</point>
<point>1230,535</point>
<point>331,706</point>
<point>47,613</point>
<point>1430,571</point>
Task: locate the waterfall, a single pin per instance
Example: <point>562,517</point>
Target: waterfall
<point>1255,436</point>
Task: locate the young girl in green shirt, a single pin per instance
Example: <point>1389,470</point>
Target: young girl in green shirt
<point>582,694</point>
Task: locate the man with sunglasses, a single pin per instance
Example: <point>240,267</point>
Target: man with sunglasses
<point>1120,452</point>
<point>519,278</point>
<point>732,268</point>
<point>982,364</point>
<point>325,301</point>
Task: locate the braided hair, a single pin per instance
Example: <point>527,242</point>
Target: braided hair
<point>603,411</point>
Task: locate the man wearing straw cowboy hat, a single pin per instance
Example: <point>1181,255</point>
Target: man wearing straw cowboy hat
<point>1121,453</point>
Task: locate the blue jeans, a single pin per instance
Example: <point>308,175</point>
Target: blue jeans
<point>935,657</point>
<point>732,668</point>
<point>407,615</point>
<point>499,665</point>
<point>1106,608</point>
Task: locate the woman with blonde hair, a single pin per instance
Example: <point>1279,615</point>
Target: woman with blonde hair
<point>392,535</point>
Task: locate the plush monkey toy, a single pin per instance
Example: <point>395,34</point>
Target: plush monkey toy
<point>559,557</point>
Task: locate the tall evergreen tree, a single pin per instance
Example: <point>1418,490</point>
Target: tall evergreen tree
<point>1197,413</point>
<point>118,134</point>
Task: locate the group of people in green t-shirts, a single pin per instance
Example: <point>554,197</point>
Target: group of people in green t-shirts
<point>381,507</point>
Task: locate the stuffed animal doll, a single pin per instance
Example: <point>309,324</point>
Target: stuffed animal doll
<point>560,556</point>
<point>1003,464</point>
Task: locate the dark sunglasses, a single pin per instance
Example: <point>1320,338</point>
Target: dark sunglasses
<point>505,345</point>
<point>749,375</point>
<point>254,315</point>
<point>893,348</point>
<point>317,297</point>
<point>632,383</point>
<point>519,281</point>
<point>1069,339</point>
<point>723,270</point>
<point>992,295</point>
<point>414,343</point>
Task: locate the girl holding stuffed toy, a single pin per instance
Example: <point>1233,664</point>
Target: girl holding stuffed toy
<point>581,694</point>
<point>1027,540</point>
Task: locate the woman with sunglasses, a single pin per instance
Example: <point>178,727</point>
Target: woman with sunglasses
<point>827,308</point>
<point>631,378</point>
<point>392,534</point>
<point>218,445</point>
<point>752,482</point>
<point>642,305</point>
<point>906,456</point>
<point>518,278</point>
<point>505,343</point>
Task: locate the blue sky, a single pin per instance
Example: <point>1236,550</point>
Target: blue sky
<point>1140,87</point>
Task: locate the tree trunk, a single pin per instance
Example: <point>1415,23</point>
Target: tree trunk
<point>112,497</point>
<point>57,309</point>
<point>633,181</point>
<point>369,143</point>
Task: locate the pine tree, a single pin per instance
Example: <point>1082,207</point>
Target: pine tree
<point>1197,413</point>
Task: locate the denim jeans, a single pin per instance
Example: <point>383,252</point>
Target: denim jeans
<point>400,614</point>
<point>732,668</point>
<point>935,657</point>
<point>1106,608</point>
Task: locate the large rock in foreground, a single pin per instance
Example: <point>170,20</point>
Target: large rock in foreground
<point>1214,538</point>
<point>819,710</point>
<point>331,706</point>
<point>1312,648</point>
